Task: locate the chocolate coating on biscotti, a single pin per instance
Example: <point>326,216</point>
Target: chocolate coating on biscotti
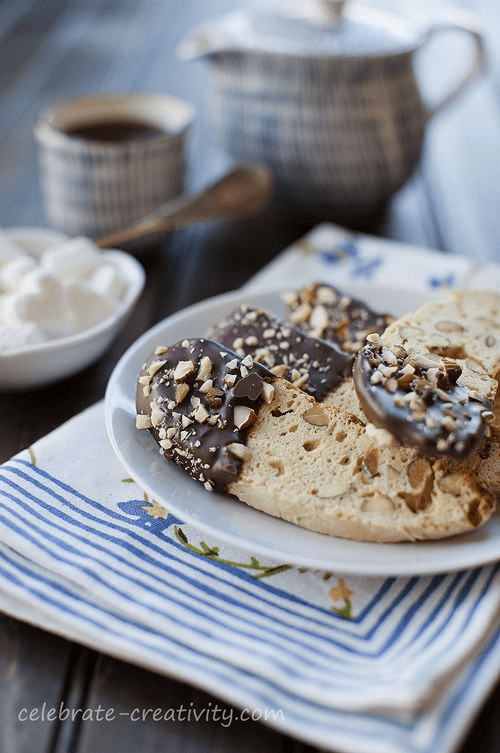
<point>325,312</point>
<point>314,365</point>
<point>198,399</point>
<point>415,396</point>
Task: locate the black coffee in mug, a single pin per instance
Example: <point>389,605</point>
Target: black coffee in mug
<point>124,129</point>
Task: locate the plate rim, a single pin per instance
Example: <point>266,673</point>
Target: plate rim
<point>479,553</point>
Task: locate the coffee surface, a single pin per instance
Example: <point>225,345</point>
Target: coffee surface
<point>125,129</point>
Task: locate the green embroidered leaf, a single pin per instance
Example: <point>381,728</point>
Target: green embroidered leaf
<point>207,551</point>
<point>345,611</point>
<point>210,551</point>
<point>273,571</point>
<point>181,535</point>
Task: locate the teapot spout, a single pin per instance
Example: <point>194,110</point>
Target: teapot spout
<point>226,35</point>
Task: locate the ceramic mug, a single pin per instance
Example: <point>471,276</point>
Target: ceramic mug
<point>107,160</point>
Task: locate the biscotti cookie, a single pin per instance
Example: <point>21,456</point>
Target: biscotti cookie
<point>237,428</point>
<point>319,368</point>
<point>416,396</point>
<point>464,326</point>
<point>332,315</point>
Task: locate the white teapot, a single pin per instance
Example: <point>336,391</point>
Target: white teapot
<point>326,97</point>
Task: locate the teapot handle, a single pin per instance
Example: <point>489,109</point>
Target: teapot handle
<point>463,22</point>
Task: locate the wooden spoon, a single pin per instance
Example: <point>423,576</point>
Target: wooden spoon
<point>242,192</point>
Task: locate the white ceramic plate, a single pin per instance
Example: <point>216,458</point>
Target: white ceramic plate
<point>234,522</point>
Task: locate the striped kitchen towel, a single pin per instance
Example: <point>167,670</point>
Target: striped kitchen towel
<point>351,663</point>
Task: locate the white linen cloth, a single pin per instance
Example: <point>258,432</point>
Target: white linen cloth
<point>352,664</point>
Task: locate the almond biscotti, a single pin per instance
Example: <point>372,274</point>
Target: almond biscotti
<point>237,428</point>
<point>320,368</point>
<point>314,348</point>
<point>324,311</point>
<point>416,396</point>
<point>464,326</point>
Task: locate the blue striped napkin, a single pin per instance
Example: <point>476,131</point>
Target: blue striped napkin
<point>349,663</point>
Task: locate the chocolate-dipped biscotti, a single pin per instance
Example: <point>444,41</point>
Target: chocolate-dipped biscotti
<point>239,429</point>
<point>332,315</point>
<point>416,395</point>
<point>320,368</point>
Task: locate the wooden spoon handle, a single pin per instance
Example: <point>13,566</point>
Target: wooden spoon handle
<point>242,192</point>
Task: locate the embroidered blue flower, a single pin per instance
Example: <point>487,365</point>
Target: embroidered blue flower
<point>349,252</point>
<point>149,515</point>
<point>341,253</point>
<point>367,267</point>
<point>442,282</point>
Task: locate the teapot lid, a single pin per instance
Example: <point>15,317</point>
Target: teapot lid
<point>311,28</point>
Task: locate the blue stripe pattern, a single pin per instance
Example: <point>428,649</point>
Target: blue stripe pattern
<point>89,571</point>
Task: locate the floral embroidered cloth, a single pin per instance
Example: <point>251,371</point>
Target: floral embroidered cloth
<point>349,663</point>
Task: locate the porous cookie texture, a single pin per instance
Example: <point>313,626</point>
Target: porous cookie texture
<point>415,395</point>
<point>323,311</point>
<point>464,326</point>
<point>237,428</point>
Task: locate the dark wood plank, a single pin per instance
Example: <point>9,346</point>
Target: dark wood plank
<point>132,696</point>
<point>485,733</point>
<point>33,667</point>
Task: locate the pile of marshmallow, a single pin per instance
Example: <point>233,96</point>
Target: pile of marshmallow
<point>68,288</point>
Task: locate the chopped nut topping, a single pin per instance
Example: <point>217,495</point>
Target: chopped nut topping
<point>318,319</point>
<point>244,416</point>
<point>143,422</point>
<point>267,392</point>
<point>154,367</point>
<point>417,396</point>
<point>181,392</point>
<point>206,386</point>
<point>200,414</point>
<point>239,450</point>
<point>157,416</point>
<point>205,369</point>
<point>183,370</point>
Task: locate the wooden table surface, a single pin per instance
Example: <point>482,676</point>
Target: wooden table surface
<point>60,48</point>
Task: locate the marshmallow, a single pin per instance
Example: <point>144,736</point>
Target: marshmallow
<point>84,308</point>
<point>8,248</point>
<point>14,271</point>
<point>40,299</point>
<point>77,257</point>
<point>13,336</point>
<point>107,281</point>
<point>67,288</point>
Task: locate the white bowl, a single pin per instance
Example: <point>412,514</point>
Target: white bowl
<point>40,364</point>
